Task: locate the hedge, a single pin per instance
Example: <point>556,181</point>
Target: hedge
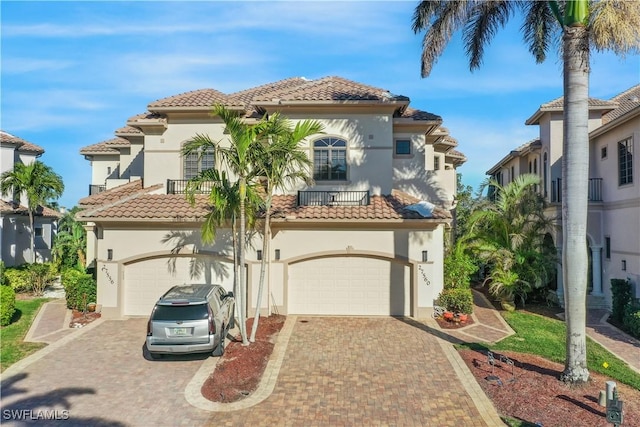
<point>7,304</point>
<point>458,300</point>
<point>18,279</point>
<point>76,285</point>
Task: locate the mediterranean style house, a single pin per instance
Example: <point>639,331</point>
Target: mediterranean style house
<point>367,238</point>
<point>613,229</point>
<point>15,231</point>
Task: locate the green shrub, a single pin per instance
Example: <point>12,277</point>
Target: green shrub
<point>18,279</point>
<point>77,285</point>
<point>631,320</point>
<point>3,280</point>
<point>620,298</point>
<point>7,304</point>
<point>41,275</point>
<point>458,268</point>
<point>458,300</point>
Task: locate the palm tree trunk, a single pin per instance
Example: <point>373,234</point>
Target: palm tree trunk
<point>243,283</point>
<point>32,233</point>
<point>575,173</point>
<point>263,267</point>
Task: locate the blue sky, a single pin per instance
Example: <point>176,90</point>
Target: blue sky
<point>73,72</point>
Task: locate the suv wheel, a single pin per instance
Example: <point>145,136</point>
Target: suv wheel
<point>219,351</point>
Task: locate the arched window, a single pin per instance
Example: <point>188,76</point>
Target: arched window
<point>330,159</point>
<point>194,163</point>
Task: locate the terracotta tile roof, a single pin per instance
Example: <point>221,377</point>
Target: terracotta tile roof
<point>132,204</point>
<point>106,147</point>
<point>388,207</point>
<point>197,98</point>
<point>145,116</point>
<point>113,194</point>
<point>412,113</point>
<point>457,155</point>
<point>627,101</point>
<point>17,209</point>
<point>266,91</point>
<point>558,104</point>
<point>157,207</point>
<point>20,143</point>
<point>128,130</point>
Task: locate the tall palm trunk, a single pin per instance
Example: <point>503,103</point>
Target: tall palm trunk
<point>575,173</point>
<point>243,282</point>
<point>263,265</point>
<point>32,234</point>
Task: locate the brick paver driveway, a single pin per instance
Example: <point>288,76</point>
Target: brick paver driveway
<point>336,371</point>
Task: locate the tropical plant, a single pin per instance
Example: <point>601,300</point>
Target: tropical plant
<point>38,183</point>
<point>459,266</point>
<point>282,163</point>
<point>509,235</point>
<point>239,160</point>
<point>69,245</point>
<point>605,25</point>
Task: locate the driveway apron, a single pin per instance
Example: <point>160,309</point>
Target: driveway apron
<point>337,371</point>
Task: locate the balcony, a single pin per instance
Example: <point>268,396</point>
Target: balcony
<point>333,198</point>
<point>179,186</point>
<point>96,189</point>
<point>595,190</point>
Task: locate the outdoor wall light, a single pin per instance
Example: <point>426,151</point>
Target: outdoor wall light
<point>425,256</point>
<point>259,255</point>
<point>277,254</point>
<point>624,265</point>
<point>109,254</point>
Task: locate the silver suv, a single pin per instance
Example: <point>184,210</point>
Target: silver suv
<point>190,319</point>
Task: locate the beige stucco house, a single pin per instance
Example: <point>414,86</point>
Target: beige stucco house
<point>348,245</point>
<point>15,231</point>
<point>613,229</point>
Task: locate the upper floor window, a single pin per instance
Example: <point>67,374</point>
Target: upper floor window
<point>625,161</point>
<point>194,163</point>
<point>513,173</point>
<point>545,173</point>
<point>603,152</point>
<point>402,147</point>
<point>330,159</point>
<point>436,163</point>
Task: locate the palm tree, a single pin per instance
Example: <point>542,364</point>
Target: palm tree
<point>607,25</point>
<point>38,183</point>
<point>509,235</point>
<point>70,243</point>
<point>238,159</point>
<point>281,163</point>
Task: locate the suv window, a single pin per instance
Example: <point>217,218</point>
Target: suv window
<point>181,312</point>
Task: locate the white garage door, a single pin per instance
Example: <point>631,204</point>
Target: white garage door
<point>349,286</point>
<point>146,281</point>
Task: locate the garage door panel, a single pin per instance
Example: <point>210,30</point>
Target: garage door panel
<point>348,286</point>
<point>146,281</point>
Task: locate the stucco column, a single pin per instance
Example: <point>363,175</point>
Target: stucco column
<point>559,281</point>
<point>596,270</point>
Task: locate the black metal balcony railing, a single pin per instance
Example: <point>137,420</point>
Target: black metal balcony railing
<point>95,189</point>
<point>595,190</point>
<point>333,198</point>
<point>179,186</point>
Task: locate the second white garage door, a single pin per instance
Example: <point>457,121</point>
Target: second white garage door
<point>349,286</point>
<point>146,281</point>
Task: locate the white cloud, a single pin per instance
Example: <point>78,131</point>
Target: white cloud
<point>18,65</point>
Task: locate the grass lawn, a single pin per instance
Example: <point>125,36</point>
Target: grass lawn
<point>11,336</point>
<point>545,337</point>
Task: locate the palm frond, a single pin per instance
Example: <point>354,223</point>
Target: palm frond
<point>614,25</point>
<point>484,21</point>
<point>539,29</point>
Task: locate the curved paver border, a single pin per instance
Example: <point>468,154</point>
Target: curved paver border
<point>193,393</point>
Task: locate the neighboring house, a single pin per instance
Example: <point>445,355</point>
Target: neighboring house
<point>613,228</point>
<point>15,232</point>
<point>347,245</point>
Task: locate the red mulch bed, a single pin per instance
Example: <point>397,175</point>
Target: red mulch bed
<point>80,319</point>
<point>448,324</point>
<point>538,396</point>
<point>240,369</point>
